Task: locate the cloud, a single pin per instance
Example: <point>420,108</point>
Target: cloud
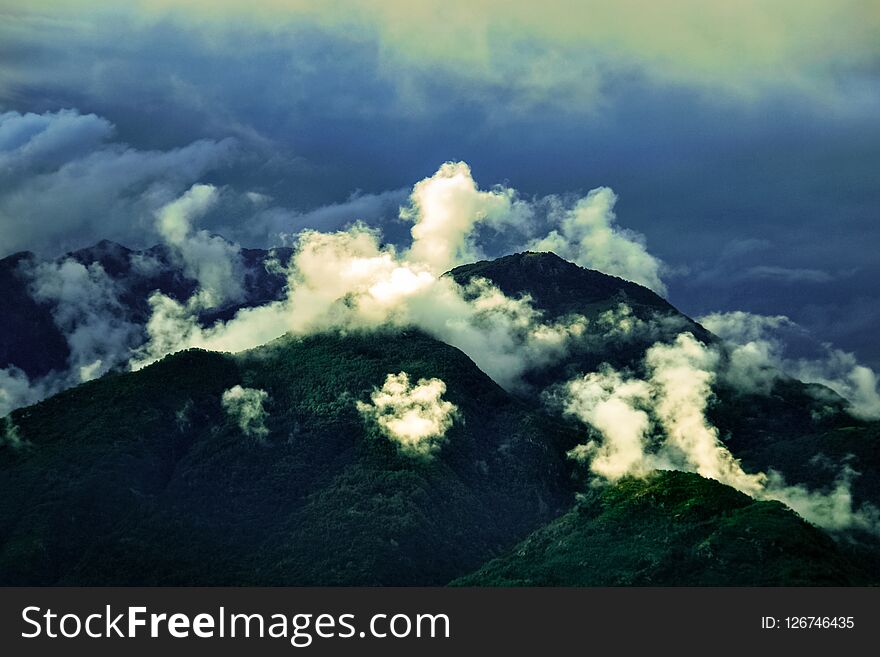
<point>372,209</point>
<point>660,423</point>
<point>210,260</point>
<point>676,392</point>
<point>16,390</point>
<point>683,374</point>
<point>787,274</point>
<point>730,268</point>
<point>346,279</point>
<point>841,372</point>
<point>245,406</point>
<point>620,324</point>
<point>64,185</point>
<point>616,408</point>
<point>349,280</point>
<point>85,306</point>
<point>446,208</point>
<point>832,509</point>
<point>11,435</point>
<point>588,236</point>
<point>562,49</point>
<point>415,416</point>
<point>759,348</point>
<point>44,142</point>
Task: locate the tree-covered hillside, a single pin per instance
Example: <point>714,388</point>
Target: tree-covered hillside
<point>142,478</point>
<point>674,529</point>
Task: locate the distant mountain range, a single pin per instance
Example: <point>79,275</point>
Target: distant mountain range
<point>147,478</point>
<point>29,337</point>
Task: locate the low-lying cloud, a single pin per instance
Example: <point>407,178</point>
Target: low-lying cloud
<point>413,415</point>
<point>660,423</point>
<point>245,407</point>
<point>759,354</point>
<point>350,280</point>
<point>85,306</point>
<point>211,261</point>
<point>10,435</point>
<point>17,390</point>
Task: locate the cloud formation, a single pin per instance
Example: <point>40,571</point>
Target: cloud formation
<point>742,50</point>
<point>350,280</point>
<point>415,416</point>
<point>446,208</point>
<point>17,390</point>
<point>11,435</point>
<point>85,306</point>
<point>210,260</point>
<point>587,235</point>
<point>660,423</point>
<point>675,397</point>
<point>759,354</point>
<point>245,407</point>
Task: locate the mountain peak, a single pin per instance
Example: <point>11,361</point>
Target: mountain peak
<point>557,286</point>
<point>112,256</point>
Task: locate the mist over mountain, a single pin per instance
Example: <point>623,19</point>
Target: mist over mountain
<point>397,451</point>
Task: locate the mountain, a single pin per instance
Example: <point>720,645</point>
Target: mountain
<point>140,478</point>
<point>674,529</point>
<point>146,478</point>
<point>560,289</point>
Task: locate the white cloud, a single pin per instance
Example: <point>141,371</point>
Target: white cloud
<point>210,260</point>
<point>758,354</point>
<point>588,236</point>
<point>16,390</point>
<point>615,407</point>
<point>348,280</point>
<point>660,423</point>
<point>833,509</point>
<point>682,374</point>
<point>415,416</point>
<point>245,406</point>
<point>85,306</point>
<point>445,208</point>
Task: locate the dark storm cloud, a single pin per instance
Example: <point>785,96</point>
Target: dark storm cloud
<point>62,184</point>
